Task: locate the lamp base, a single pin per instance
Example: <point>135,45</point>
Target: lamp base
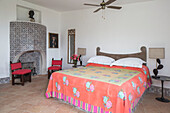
<point>162,99</point>
<point>81,63</point>
<point>156,77</point>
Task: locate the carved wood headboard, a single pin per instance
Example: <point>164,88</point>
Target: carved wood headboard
<point>142,55</point>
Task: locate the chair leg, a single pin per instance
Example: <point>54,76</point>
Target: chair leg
<point>49,74</point>
<point>29,77</point>
<point>22,80</point>
<point>13,79</point>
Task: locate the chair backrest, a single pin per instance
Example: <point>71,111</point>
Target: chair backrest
<point>15,66</point>
<point>57,62</point>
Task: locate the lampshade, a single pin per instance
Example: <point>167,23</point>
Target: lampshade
<point>81,51</point>
<point>155,53</point>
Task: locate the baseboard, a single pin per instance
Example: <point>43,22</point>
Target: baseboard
<point>4,80</point>
<point>158,90</point>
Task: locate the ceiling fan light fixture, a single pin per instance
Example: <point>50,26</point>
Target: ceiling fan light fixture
<point>103,7</point>
<point>104,4</point>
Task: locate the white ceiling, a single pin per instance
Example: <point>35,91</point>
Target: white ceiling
<point>68,5</point>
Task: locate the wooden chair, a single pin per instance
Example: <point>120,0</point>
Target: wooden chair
<point>56,66</point>
<point>18,72</point>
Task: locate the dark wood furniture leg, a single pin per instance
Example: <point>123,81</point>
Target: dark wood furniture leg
<point>13,79</point>
<point>29,77</point>
<point>22,80</point>
<point>162,99</point>
<point>49,74</point>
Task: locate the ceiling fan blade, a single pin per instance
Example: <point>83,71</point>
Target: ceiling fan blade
<point>91,4</point>
<point>97,10</point>
<point>109,2</point>
<point>114,7</point>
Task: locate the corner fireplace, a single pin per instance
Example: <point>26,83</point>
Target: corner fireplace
<point>28,44</point>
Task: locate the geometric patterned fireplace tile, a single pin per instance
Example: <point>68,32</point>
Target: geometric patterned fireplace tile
<point>25,36</point>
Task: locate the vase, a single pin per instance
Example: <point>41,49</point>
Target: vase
<point>75,63</point>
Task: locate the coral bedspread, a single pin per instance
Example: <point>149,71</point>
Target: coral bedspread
<point>99,88</point>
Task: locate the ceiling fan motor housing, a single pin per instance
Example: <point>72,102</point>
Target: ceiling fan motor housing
<point>103,5</point>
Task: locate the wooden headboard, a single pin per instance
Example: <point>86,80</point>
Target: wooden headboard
<point>142,55</point>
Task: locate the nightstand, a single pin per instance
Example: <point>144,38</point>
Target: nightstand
<point>162,79</point>
<point>78,66</point>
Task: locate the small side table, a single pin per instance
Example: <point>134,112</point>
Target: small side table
<point>78,66</point>
<point>162,79</point>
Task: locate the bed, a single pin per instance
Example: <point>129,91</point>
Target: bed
<point>101,88</point>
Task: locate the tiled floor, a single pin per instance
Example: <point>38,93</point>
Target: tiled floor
<point>30,99</point>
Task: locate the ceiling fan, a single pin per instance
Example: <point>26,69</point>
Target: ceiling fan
<point>103,5</point>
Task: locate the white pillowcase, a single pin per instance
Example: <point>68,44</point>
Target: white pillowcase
<point>130,62</point>
<point>101,60</point>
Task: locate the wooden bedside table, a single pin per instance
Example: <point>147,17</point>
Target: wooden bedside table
<point>78,66</point>
<point>162,79</point>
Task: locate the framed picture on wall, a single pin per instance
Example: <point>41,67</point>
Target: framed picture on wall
<point>53,40</point>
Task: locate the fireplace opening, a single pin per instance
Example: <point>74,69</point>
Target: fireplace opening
<point>34,59</point>
<point>30,65</point>
<point>31,61</point>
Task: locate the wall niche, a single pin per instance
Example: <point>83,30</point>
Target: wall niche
<point>23,14</point>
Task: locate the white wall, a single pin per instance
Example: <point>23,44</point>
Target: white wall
<point>7,14</point>
<point>50,18</point>
<point>122,31</point>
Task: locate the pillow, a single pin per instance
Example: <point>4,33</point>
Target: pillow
<point>130,62</point>
<point>101,60</point>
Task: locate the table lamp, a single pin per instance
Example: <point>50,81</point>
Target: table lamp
<point>80,52</point>
<point>157,53</point>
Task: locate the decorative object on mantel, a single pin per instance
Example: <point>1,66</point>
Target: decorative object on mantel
<point>81,51</point>
<point>103,5</point>
<point>75,59</point>
<point>157,53</point>
<point>53,40</point>
<point>22,14</point>
<point>31,14</point>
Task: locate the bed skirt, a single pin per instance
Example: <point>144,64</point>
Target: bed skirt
<point>91,108</point>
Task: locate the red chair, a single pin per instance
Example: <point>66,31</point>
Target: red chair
<point>56,66</point>
<point>18,72</point>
